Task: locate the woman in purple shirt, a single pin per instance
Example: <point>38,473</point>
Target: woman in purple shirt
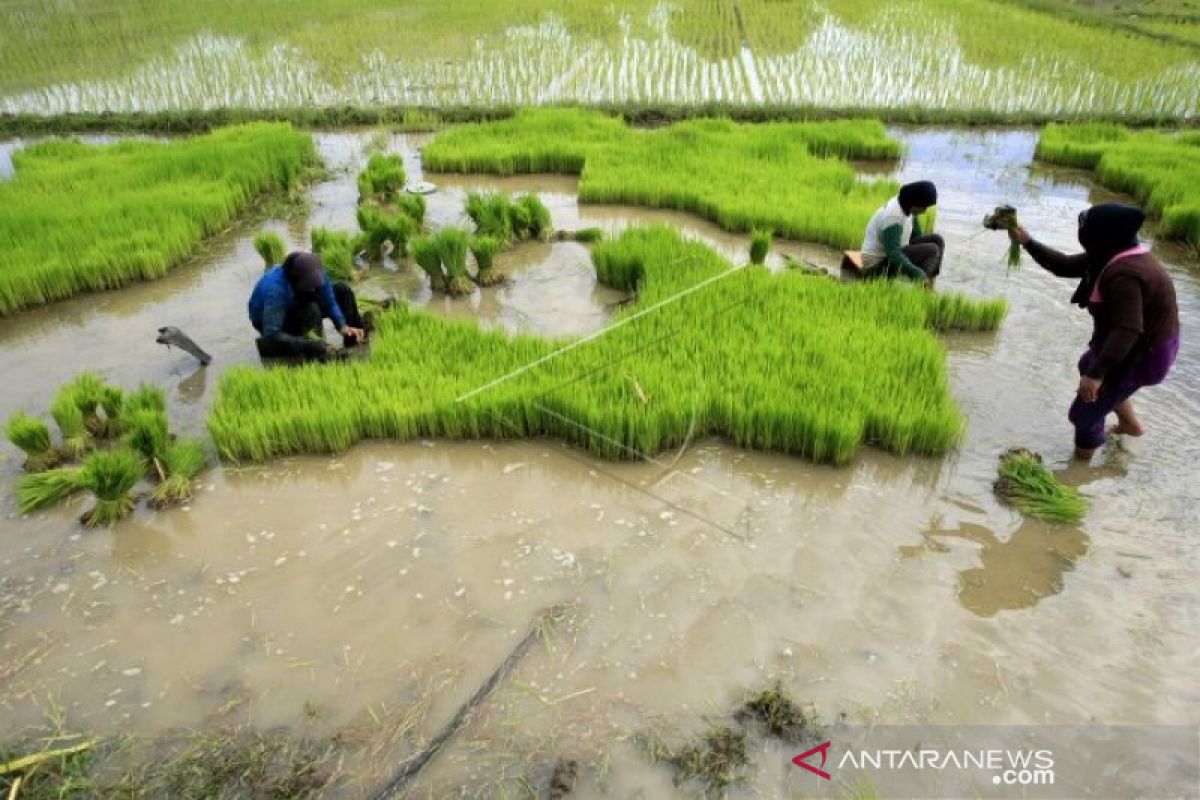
<point>1135,320</point>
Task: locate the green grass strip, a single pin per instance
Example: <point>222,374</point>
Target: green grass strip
<point>1160,169</point>
<point>790,177</point>
<point>81,218</point>
<point>782,362</point>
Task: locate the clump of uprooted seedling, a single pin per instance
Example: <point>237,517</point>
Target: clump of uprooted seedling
<point>383,179</point>
<point>505,218</point>
<point>120,438</point>
<point>716,758</point>
<point>270,246</point>
<point>1025,483</point>
<point>388,217</point>
<point>779,716</point>
<point>336,251</point>
<point>443,257</point>
<point>760,245</point>
<point>1004,218</point>
<point>484,250</point>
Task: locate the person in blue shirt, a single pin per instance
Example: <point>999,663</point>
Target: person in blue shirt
<point>290,303</point>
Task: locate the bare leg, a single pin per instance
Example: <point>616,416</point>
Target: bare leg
<point>1127,422</point>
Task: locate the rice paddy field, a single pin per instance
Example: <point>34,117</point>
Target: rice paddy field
<point>971,59</point>
<point>635,491</point>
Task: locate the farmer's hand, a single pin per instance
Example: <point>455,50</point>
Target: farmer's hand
<point>1019,236</point>
<point>1089,389</point>
<point>356,334</point>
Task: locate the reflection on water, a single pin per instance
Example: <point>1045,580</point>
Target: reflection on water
<point>1017,572</point>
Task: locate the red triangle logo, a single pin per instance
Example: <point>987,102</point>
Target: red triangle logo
<point>801,760</point>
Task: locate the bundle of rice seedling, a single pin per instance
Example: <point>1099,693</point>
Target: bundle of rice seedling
<point>533,216</point>
<point>382,180</point>
<point>760,245</point>
<point>88,390</point>
<point>411,206</point>
<point>492,216</point>
<point>113,403</point>
<point>1025,483</point>
<point>110,475</point>
<point>44,489</point>
<point>76,441</point>
<point>336,250</point>
<point>149,436</point>
<point>33,437</point>
<point>426,253</point>
<point>1004,218</point>
<point>146,397</point>
<point>484,249</point>
<point>270,246</point>
<point>182,462</point>
<point>588,235</point>
<point>380,228</point>
<point>452,245</point>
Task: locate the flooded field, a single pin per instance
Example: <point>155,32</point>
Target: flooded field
<point>374,591</point>
<point>971,57</point>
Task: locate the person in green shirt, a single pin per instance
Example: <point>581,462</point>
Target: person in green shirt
<point>895,245</point>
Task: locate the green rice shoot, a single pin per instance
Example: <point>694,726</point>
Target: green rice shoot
<point>32,436</point>
<point>183,460</point>
<point>1026,484</point>
<point>44,489</point>
<point>336,251</point>
<point>760,245</point>
<point>110,476</point>
<point>269,245</point>
<point>383,179</point>
<point>484,250</point>
<point>76,441</point>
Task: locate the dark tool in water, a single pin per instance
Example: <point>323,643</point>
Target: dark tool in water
<point>409,769</point>
<point>173,337</point>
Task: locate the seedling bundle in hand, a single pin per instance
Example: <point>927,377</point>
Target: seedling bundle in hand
<point>1004,218</point>
<point>120,438</point>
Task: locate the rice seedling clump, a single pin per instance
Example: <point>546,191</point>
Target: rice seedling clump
<point>484,250</point>
<point>83,218</point>
<point>76,441</point>
<point>110,475</point>
<point>772,362</point>
<point>779,716</point>
<point>32,436</point>
<point>1026,484</point>
<point>270,246</point>
<point>44,489</point>
<point>336,250</point>
<point>382,180</point>
<point>760,245</point>
<point>384,233</point>
<point>182,461</point>
<point>791,177</point>
<point>1161,170</point>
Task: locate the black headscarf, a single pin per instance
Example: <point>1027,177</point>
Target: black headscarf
<point>921,194</point>
<point>1104,231</point>
<point>304,271</point>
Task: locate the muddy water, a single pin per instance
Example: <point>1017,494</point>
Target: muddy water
<point>393,579</point>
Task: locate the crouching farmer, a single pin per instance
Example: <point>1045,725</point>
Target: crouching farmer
<point>895,245</point>
<point>290,303</point>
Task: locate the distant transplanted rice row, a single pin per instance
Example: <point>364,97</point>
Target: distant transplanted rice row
<point>785,362</point>
<point>1161,170</point>
<point>81,218</point>
<point>790,177</point>
<point>975,56</point>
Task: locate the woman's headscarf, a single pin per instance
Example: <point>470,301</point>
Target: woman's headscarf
<point>921,194</point>
<point>304,271</point>
<point>1104,231</point>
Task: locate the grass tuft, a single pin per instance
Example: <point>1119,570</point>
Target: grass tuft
<point>1025,483</point>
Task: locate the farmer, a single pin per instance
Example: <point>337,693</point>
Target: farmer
<point>884,252</point>
<point>290,303</point>
<point>1135,322</point>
